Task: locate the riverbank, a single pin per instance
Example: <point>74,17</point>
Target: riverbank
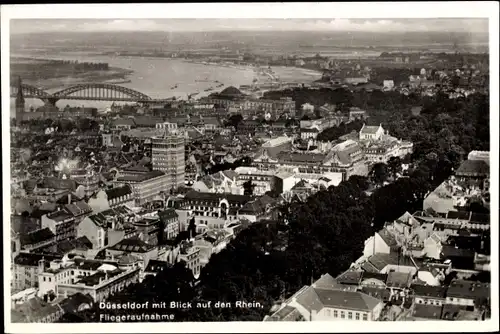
<point>46,74</point>
<point>112,76</point>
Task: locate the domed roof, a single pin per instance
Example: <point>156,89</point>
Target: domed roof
<point>231,91</point>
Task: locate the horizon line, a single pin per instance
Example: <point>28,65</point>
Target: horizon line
<point>247,30</point>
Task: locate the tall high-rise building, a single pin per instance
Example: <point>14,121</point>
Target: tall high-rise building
<point>168,156</point>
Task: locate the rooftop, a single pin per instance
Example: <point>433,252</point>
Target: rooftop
<point>59,215</point>
<point>23,225</point>
<point>388,238</point>
<point>429,291</point>
<point>78,208</point>
<point>258,206</point>
<point>398,279</point>
<point>134,245</point>
<point>98,277</point>
<point>118,192</point>
<point>167,214</point>
<point>156,266</point>
<point>37,236</point>
<point>380,260</point>
<point>350,277</point>
<point>193,195</point>
<point>33,310</point>
<point>230,91</point>
<point>431,312</point>
<point>347,299</point>
<point>67,245</point>
<point>478,167</point>
<point>57,183</point>
<point>369,129</point>
<point>468,289</point>
<point>140,176</point>
<point>301,157</point>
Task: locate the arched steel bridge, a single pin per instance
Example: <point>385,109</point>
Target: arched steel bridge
<point>89,92</point>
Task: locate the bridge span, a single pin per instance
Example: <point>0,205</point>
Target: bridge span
<point>87,92</point>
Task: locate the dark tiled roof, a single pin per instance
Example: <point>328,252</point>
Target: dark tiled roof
<point>33,310</point>
<point>301,157</point>
<point>156,266</point>
<point>301,185</point>
<point>127,259</point>
<point>443,226</point>
<point>230,91</point>
<point>64,199</point>
<point>427,311</point>
<point>388,238</point>
<point>23,225</point>
<point>167,214</point>
<point>478,218</point>
<point>123,121</point>
<point>398,279</point>
<point>465,242</point>
<point>380,260</point>
<point>454,252</point>
<point>377,276</point>
<point>350,277</point>
<point>66,246</point>
<point>147,121</point>
<point>326,282</point>
<point>59,215</point>
<point>134,245</point>
<point>369,129</point>
<point>369,268</point>
<point>429,291</point>
<point>376,292</point>
<point>347,299</point>
<point>308,298</point>
<point>118,192</point>
<point>468,289</point>
<point>479,167</point>
<point>92,265</point>
<point>140,177</point>
<point>461,215</point>
<point>56,183</point>
<point>284,312</point>
<point>450,312</point>
<point>99,219</point>
<point>212,197</point>
<point>78,208</point>
<point>31,259</point>
<point>35,237</point>
<point>258,206</point>
<point>120,210</point>
<point>231,174</point>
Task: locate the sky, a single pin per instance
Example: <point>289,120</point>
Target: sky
<point>475,25</point>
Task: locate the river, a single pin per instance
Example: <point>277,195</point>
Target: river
<point>164,77</point>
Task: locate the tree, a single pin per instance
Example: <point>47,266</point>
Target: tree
<point>394,166</point>
<point>234,120</point>
<point>248,188</point>
<point>379,173</point>
<point>326,232</point>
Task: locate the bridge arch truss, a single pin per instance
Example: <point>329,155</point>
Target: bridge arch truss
<point>29,91</point>
<point>100,92</point>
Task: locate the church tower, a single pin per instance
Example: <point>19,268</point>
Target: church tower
<point>20,103</point>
